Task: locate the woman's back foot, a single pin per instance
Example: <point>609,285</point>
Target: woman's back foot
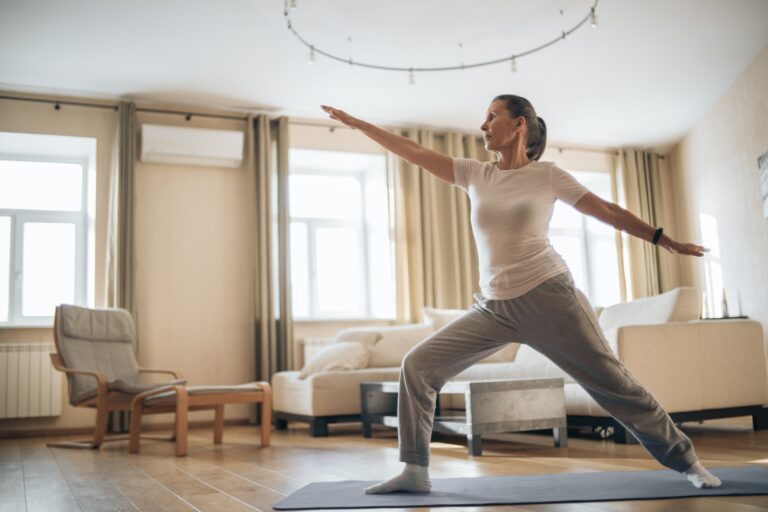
<point>701,478</point>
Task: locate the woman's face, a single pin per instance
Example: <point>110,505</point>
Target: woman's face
<point>500,129</point>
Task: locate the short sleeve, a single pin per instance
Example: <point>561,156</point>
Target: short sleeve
<point>565,186</point>
<point>463,169</point>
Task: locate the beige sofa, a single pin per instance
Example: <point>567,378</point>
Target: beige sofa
<point>696,369</point>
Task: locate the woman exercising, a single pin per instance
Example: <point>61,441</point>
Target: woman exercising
<point>528,294</point>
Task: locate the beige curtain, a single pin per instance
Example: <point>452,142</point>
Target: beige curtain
<point>435,254</point>
<point>120,283</point>
<point>644,190</point>
<point>273,321</point>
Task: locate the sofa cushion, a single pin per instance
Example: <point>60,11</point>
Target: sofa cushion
<point>342,355</point>
<point>396,341</point>
<point>325,393</point>
<point>679,305</point>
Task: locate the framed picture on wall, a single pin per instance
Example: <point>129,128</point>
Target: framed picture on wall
<point>762,170</point>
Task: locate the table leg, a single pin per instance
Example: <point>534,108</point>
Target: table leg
<point>475,444</point>
<point>367,431</point>
<point>561,436</point>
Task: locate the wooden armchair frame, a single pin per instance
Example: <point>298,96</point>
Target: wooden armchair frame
<point>105,402</point>
<point>181,401</point>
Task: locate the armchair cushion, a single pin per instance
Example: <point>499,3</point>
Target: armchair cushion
<point>98,340</point>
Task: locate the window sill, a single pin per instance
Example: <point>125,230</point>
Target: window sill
<point>339,320</point>
<point>38,326</point>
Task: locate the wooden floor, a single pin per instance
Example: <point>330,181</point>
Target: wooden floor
<point>239,475</point>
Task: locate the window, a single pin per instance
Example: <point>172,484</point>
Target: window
<point>342,263</point>
<point>712,298</point>
<point>588,245</point>
<point>44,200</point>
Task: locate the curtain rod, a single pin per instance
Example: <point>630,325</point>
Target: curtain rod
<point>57,104</point>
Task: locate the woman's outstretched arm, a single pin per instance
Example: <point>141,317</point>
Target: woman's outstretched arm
<point>433,161</point>
<point>622,219</point>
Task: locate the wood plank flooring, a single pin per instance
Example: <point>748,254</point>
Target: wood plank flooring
<point>239,475</point>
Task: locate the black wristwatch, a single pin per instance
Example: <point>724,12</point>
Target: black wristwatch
<point>657,235</point>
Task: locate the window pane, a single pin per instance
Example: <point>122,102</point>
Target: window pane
<point>334,197</point>
<point>565,216</point>
<point>48,267</point>
<point>40,185</point>
<point>299,269</point>
<point>339,272</point>
<point>604,271</point>
<point>569,247</point>
<point>5,266</point>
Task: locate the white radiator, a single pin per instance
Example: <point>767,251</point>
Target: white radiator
<point>29,384</point>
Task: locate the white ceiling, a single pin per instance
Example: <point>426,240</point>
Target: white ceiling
<point>650,71</point>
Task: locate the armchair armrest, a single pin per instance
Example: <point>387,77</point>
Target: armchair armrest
<point>137,400</point>
<point>698,364</point>
<point>175,373</point>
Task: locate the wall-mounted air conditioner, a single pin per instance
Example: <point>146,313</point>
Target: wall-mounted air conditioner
<point>191,146</point>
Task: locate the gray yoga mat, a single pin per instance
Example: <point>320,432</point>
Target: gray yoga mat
<point>513,490</point>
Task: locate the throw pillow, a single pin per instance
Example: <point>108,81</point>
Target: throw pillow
<point>368,335</point>
<point>342,355</point>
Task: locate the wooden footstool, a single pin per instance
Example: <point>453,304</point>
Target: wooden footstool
<point>182,399</point>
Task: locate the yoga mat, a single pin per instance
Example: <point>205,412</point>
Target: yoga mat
<point>514,490</point>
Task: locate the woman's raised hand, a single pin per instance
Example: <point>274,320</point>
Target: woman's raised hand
<point>690,249</point>
<point>340,115</point>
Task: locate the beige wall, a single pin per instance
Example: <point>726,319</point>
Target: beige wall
<point>193,257</point>
<point>715,170</point>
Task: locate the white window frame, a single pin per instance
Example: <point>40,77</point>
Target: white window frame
<point>583,234</point>
<point>312,224</point>
<point>21,216</point>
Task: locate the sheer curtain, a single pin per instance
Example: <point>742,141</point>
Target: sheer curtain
<point>644,190</point>
<point>435,255</point>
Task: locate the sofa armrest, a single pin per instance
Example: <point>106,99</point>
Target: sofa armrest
<point>700,364</point>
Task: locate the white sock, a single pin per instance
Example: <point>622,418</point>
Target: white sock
<point>414,478</point>
<point>701,478</point>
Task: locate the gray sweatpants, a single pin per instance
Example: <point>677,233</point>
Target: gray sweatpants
<point>555,319</point>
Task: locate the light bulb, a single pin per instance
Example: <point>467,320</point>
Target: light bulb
<point>293,5</point>
<point>412,78</point>
<point>594,18</point>
<point>513,66</point>
<point>311,55</point>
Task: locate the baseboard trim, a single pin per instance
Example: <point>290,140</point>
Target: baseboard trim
<point>89,430</point>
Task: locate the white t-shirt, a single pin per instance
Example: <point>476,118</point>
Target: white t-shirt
<point>510,212</point>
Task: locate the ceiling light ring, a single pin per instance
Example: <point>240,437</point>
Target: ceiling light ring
<point>590,16</point>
